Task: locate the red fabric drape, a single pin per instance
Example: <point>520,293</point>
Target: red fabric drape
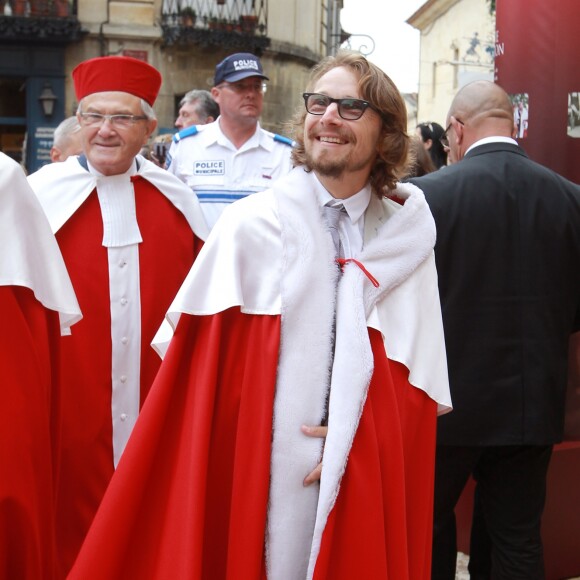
<point>536,53</point>
<point>29,417</point>
<point>165,256</point>
<point>189,497</point>
<point>380,526</point>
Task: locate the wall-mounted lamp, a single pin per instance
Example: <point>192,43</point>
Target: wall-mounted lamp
<point>47,100</point>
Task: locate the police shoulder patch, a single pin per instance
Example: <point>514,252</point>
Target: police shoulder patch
<point>285,140</point>
<point>187,132</point>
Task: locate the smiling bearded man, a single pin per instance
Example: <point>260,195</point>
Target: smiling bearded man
<point>290,433</point>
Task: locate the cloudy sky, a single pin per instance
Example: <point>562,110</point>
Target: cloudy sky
<point>396,44</point>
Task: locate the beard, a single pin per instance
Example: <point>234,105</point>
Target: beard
<point>335,165</point>
<point>326,166</point>
<point>325,163</point>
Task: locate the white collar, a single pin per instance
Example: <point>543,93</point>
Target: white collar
<point>253,142</point>
<point>487,140</point>
<point>355,205</point>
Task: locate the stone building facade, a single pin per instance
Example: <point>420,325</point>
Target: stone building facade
<point>457,47</point>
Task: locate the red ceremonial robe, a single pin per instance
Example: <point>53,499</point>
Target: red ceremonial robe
<point>193,496</point>
<point>36,302</point>
<point>190,496</point>
<point>29,417</point>
<point>166,254</point>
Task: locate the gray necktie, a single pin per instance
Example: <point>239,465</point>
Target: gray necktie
<point>332,215</point>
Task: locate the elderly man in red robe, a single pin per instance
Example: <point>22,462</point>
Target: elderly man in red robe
<point>37,303</point>
<point>290,433</point>
<point>129,233</point>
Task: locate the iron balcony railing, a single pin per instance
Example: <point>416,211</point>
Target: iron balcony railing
<point>232,24</point>
<point>39,21</point>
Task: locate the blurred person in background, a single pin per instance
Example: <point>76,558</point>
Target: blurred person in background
<point>430,134</point>
<point>420,162</point>
<point>196,108</point>
<point>66,140</point>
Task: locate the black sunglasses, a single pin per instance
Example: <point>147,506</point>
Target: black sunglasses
<point>348,109</point>
<point>444,139</point>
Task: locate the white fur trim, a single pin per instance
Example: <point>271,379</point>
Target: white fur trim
<point>303,375</point>
<point>402,244</point>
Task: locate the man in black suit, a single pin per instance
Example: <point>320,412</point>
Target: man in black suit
<point>508,260</point>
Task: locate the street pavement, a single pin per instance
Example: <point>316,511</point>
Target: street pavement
<point>463,574</point>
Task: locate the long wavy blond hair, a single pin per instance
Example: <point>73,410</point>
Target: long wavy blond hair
<point>377,88</point>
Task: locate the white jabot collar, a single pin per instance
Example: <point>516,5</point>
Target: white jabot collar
<point>62,188</point>
<point>117,200</point>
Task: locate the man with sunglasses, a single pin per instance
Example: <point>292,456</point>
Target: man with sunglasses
<point>291,429</point>
<point>232,157</point>
<point>129,233</point>
<point>508,260</point>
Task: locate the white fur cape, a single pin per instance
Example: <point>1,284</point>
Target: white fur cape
<point>29,254</point>
<point>63,187</point>
<point>271,254</point>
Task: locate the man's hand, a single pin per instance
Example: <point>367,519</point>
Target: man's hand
<point>318,431</point>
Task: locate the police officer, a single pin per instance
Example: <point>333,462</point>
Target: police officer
<point>232,157</point>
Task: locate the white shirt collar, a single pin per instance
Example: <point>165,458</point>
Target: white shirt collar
<point>351,230</point>
<point>253,142</point>
<point>487,140</point>
<point>355,205</point>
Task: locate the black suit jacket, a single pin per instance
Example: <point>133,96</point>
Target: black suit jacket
<point>508,260</point>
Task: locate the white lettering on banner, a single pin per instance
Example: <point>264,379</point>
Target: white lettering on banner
<point>245,64</point>
<point>210,167</point>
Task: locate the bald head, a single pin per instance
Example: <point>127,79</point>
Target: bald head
<point>484,106</point>
<point>480,109</point>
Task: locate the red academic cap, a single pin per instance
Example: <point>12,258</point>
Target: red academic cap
<point>117,73</point>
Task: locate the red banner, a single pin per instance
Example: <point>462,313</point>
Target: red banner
<point>536,62</point>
